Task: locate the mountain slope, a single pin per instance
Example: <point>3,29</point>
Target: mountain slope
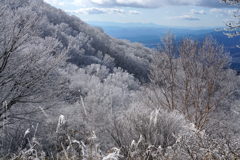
<point>89,45</point>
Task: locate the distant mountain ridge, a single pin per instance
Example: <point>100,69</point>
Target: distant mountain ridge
<point>153,25</point>
<point>150,35</point>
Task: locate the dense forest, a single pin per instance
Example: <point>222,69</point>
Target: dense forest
<point>71,92</point>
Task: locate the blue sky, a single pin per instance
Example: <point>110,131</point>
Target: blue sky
<point>182,13</point>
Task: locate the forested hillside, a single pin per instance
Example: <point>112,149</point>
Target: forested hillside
<point>88,45</point>
<point>71,92</point>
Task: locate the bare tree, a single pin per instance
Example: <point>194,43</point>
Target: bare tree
<point>194,82</point>
<point>164,72</point>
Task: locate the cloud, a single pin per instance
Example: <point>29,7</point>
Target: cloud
<point>134,12</point>
<point>139,3</point>
<point>91,11</point>
<point>155,3</point>
<point>223,12</point>
<point>186,17</point>
<point>80,3</point>
<point>198,12</point>
<point>213,4</point>
<point>116,11</point>
<point>95,10</point>
<point>55,2</point>
<point>191,16</point>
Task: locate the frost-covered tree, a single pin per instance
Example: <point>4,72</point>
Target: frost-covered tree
<point>192,79</point>
<point>27,62</point>
<point>98,96</point>
<point>233,25</point>
<point>231,1</point>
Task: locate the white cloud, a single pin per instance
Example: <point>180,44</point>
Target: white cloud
<point>102,1</point>
<point>90,11</point>
<point>197,12</point>
<point>95,10</point>
<point>153,3</point>
<point>138,3</point>
<point>217,10</point>
<point>142,3</point>
<point>191,16</point>
<point>134,12</point>
<point>186,17</point>
<point>224,12</point>
<point>116,11</point>
<point>78,2</point>
<point>55,2</point>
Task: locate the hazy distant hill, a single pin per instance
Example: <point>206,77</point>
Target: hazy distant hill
<point>150,35</point>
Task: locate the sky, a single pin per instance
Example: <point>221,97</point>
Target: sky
<point>179,13</point>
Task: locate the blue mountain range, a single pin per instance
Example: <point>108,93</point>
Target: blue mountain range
<point>150,35</point>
